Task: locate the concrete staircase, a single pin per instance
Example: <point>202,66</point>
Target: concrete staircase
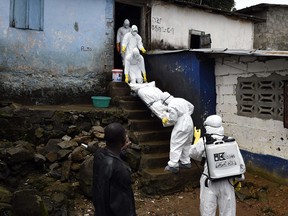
<point>154,139</point>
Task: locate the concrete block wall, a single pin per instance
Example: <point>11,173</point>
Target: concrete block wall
<point>260,136</point>
<point>272,33</point>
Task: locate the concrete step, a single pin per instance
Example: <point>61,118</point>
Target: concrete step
<point>151,147</point>
<point>143,136</point>
<point>160,182</point>
<point>118,92</point>
<point>118,85</point>
<point>145,124</point>
<point>138,114</point>
<point>153,161</point>
<point>132,105</point>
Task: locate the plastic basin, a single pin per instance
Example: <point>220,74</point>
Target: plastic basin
<point>101,101</point>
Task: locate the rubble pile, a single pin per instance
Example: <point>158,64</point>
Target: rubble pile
<point>43,179</point>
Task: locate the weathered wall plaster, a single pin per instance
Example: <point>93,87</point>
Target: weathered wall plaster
<point>68,60</point>
<point>170,25</point>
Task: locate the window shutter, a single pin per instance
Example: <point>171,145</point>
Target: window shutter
<point>35,16</point>
<point>205,41</point>
<point>20,11</point>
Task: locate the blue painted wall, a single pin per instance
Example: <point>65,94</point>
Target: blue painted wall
<point>183,74</point>
<point>272,167</point>
<point>66,62</point>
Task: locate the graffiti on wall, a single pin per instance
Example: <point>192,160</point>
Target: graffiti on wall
<point>85,49</point>
<point>159,26</point>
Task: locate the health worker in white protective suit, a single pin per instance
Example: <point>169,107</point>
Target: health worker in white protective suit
<point>135,68</point>
<point>179,112</point>
<point>120,35</point>
<point>219,192</point>
<point>130,41</point>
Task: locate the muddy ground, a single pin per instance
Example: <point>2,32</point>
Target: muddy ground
<point>258,197</point>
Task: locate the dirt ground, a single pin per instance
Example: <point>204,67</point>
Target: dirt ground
<point>258,197</point>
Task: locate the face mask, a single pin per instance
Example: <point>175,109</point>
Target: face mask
<point>133,33</point>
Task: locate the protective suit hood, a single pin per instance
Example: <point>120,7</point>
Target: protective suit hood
<point>136,53</point>
<point>126,23</point>
<point>213,125</point>
<point>134,30</point>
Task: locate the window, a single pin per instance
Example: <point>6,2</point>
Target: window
<point>261,97</point>
<point>27,14</point>
<point>198,39</point>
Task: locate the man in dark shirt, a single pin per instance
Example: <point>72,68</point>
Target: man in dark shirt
<point>112,192</point>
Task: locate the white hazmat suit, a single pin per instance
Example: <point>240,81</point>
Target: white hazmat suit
<point>120,35</point>
<point>132,40</point>
<point>135,67</point>
<point>213,193</point>
<point>179,112</point>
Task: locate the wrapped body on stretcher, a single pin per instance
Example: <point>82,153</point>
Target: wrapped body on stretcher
<point>151,96</point>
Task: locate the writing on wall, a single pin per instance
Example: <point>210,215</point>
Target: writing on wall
<point>86,49</point>
<point>159,26</point>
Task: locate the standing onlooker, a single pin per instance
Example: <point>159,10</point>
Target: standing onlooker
<point>120,35</point>
<point>112,192</point>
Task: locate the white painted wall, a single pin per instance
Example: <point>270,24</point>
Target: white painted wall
<point>171,24</point>
<point>253,134</point>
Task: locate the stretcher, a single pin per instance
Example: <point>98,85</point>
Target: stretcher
<point>151,96</point>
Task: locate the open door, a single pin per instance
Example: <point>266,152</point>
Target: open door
<point>122,12</point>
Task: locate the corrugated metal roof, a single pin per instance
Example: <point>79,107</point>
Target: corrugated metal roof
<point>237,52</point>
<point>259,7</point>
<point>216,10</point>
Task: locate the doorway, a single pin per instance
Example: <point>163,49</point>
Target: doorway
<point>122,12</point>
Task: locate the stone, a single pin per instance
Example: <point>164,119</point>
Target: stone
<point>5,195</point>
<point>28,203</point>
<point>54,166</point>
<point>77,155</point>
<point>65,170</point>
<point>6,209</point>
<point>75,166</point>
<point>18,154</point>
<point>72,130</point>
<point>86,176</point>
<point>52,156</point>
<point>52,145</point>
<point>63,153</point>
<point>102,144</point>
<point>68,144</point>
<point>132,157</point>
<point>98,129</point>
<point>39,159</point>
<point>4,170</point>
<point>59,199</point>
<point>39,132</point>
<point>98,135</point>
<point>82,139</point>
<point>66,138</point>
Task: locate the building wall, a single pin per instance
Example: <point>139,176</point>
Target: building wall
<point>257,136</point>
<point>170,25</point>
<point>272,34</point>
<point>66,61</point>
<point>183,74</point>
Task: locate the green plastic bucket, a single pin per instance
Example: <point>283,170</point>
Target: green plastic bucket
<point>100,101</point>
